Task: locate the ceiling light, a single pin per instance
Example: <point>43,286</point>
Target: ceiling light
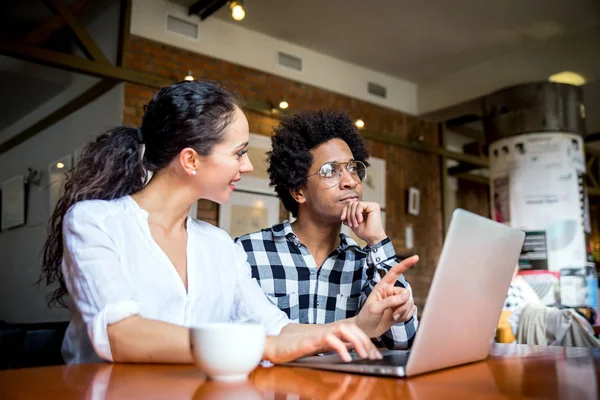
<point>359,123</point>
<point>283,105</point>
<point>569,77</point>
<point>237,10</point>
<point>189,76</point>
<point>60,165</point>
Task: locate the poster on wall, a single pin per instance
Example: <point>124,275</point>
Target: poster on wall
<point>537,186</point>
<point>373,186</point>
<point>13,202</point>
<point>248,212</point>
<point>258,180</point>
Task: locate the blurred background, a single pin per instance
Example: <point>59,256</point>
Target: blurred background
<point>489,106</point>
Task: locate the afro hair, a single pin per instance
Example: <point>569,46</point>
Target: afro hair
<point>297,134</point>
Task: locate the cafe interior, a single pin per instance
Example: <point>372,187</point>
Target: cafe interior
<point>485,106</point>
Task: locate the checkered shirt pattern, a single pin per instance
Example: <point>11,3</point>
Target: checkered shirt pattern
<point>288,275</point>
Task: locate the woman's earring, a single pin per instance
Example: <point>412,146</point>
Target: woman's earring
<point>194,173</point>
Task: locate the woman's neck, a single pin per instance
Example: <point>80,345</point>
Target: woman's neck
<point>166,201</point>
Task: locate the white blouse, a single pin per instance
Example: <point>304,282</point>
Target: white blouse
<point>114,269</point>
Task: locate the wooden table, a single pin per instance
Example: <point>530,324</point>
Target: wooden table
<point>511,371</point>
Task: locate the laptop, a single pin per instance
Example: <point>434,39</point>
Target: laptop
<point>465,301</point>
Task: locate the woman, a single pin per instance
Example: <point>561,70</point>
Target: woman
<point>139,272</point>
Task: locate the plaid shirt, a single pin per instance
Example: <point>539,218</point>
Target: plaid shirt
<point>287,273</point>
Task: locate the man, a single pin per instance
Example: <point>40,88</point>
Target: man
<point>307,268</point>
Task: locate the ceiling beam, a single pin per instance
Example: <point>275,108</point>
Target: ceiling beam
<point>86,43</point>
<point>124,29</point>
<point>76,64</point>
<point>465,158</point>
<point>593,192</point>
<point>594,179</point>
<point>469,132</point>
<point>211,9</point>
<point>54,24</point>
<point>458,125</point>
<point>461,168</point>
<point>198,6</point>
<point>78,102</point>
<point>462,120</point>
<point>265,108</point>
<point>469,107</point>
<point>592,137</point>
<point>110,75</point>
<point>474,161</point>
<point>484,180</point>
<point>206,8</point>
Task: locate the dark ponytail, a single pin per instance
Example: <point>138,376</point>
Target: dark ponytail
<point>185,114</point>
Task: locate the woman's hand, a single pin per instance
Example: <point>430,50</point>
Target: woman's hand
<point>313,339</point>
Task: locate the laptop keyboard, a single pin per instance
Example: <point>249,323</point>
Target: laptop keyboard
<point>396,358</point>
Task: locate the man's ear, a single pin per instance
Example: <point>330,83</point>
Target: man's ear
<point>298,195</point>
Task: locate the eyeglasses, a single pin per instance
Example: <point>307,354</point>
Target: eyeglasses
<point>331,172</point>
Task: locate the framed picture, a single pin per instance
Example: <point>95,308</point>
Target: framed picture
<point>248,212</point>
<point>57,176</point>
<point>374,185</point>
<point>350,233</point>
<point>13,202</point>
<point>414,199</point>
<point>258,180</point>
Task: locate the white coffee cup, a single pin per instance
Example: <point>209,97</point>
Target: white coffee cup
<point>227,352</point>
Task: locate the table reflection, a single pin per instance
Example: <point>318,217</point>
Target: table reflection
<point>510,372</point>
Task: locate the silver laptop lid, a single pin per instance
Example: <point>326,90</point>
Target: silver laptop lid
<point>464,303</point>
<point>468,289</point>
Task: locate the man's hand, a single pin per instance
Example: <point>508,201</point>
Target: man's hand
<point>364,218</point>
<point>387,304</point>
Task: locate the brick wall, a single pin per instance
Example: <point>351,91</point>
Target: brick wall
<point>405,167</point>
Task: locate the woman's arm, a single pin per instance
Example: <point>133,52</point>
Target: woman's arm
<point>299,340</point>
<point>140,340</point>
